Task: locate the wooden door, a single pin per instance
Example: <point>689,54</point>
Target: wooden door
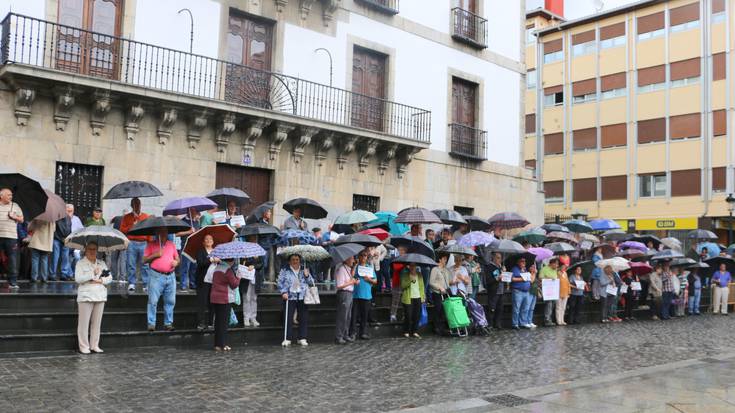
<point>368,84</point>
<point>249,46</point>
<point>255,182</point>
<point>463,116</point>
<point>79,50</point>
<point>465,24</point>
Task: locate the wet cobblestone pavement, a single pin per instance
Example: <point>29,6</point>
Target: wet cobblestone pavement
<point>376,375</point>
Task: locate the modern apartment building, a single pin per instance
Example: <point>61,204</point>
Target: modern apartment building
<point>629,113</point>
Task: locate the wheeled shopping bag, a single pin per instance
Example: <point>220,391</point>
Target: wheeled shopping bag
<point>456,314</point>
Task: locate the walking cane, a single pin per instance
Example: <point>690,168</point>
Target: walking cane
<point>285,342</point>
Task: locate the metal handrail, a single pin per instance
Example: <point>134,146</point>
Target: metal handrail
<point>469,27</point>
<point>468,141</point>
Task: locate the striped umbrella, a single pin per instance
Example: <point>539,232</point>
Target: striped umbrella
<point>106,238</point>
<point>237,249</point>
<point>357,216</point>
<point>417,216</point>
<point>507,220</point>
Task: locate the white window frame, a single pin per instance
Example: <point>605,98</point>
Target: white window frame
<point>589,97</point>
<point>686,81</point>
<point>652,87</point>
<point>613,42</point>
<point>553,57</point>
<point>652,178</point>
<point>718,17</point>
<point>684,26</point>
<point>531,74</point>
<point>651,35</point>
<point>530,37</point>
<point>614,93</point>
<point>550,100</point>
<point>584,48</point>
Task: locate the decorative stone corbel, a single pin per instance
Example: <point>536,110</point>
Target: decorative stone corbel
<point>367,149</point>
<point>23,101</point>
<point>329,9</point>
<point>305,8</point>
<point>133,116</point>
<point>281,4</point>
<point>168,119</point>
<point>278,135</point>
<point>345,146</point>
<point>225,128</point>
<point>404,158</point>
<point>197,123</point>
<point>322,143</point>
<point>63,104</point>
<point>253,131</point>
<point>101,105</point>
<point>386,153</point>
<point>303,138</point>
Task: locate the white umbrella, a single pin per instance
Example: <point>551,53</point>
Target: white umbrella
<point>617,263</point>
<point>106,238</point>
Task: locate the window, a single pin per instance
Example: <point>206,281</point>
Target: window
<point>686,182</point>
<point>584,189</point>
<point>554,191</point>
<point>684,17</point>
<point>718,17</point>
<point>464,211</point>
<point>584,139</point>
<point>651,26</point>
<point>719,179</point>
<point>612,36</point>
<point>718,66</point>
<point>651,130</point>
<point>613,187</point>
<point>685,126</point>
<point>614,93</point>
<point>530,37</point>
<point>531,79</point>
<point>685,82</point>
<point>613,85</point>
<point>553,51</point>
<point>684,26</point>
<point>652,87</point>
<point>366,202</point>
<point>554,144</point>
<point>530,123</point>
<point>718,11</point>
<point>650,35</point>
<point>614,135</point>
<point>614,42</point>
<point>554,57</point>
<point>651,78</point>
<point>652,185</point>
<point>554,99</point>
<point>584,48</point>
<point>79,185</point>
<point>590,97</point>
<point>719,122</point>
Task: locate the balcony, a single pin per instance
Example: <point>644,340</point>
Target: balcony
<point>469,28</point>
<point>468,142</point>
<point>34,49</point>
<point>384,6</point>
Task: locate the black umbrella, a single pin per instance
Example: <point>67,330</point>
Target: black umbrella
<point>372,225</point>
<point>257,213</point>
<point>715,262</point>
<point>342,252</point>
<point>682,262</point>
<point>151,225</point>
<point>27,193</point>
<point>560,248</point>
<point>615,235</point>
<point>258,228</point>
<point>554,228</point>
<point>362,239</point>
<point>309,208</point>
<point>697,265</point>
<point>587,268</point>
<point>418,259</point>
<point>702,234</point>
<point>476,223</point>
<point>417,216</point>
<point>343,229</point>
<point>644,257</point>
<point>132,189</point>
<point>667,255</point>
<point>414,245</point>
<point>507,220</point>
<point>512,260</point>
<point>645,239</point>
<point>223,195</point>
<point>506,246</point>
<point>457,249</point>
<point>449,216</point>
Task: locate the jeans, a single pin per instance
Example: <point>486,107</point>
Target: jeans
<point>60,251</point>
<point>39,264</point>
<point>694,301</point>
<point>135,257</point>
<point>549,307</point>
<point>161,285</point>
<point>10,247</point>
<point>521,301</point>
<point>188,268</point>
<point>384,276</point>
<point>531,306</point>
<point>118,265</point>
<point>667,298</point>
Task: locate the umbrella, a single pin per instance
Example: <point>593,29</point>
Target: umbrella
<point>603,224</point>
<point>309,208</point>
<point>671,242</point>
<point>644,256</point>
<point>132,189</point>
<point>182,206</point>
<point>586,245</point>
<point>258,228</point>
<point>456,249</point>
<point>27,193</point>
<point>507,220</point>
<point>608,251</point>
<point>554,228</point>
<point>667,255</point>
<point>304,237</point>
<point>713,249</point>
<point>697,265</point>
<point>589,237</point>
<point>617,264</point>
<point>512,259</point>
<point>682,262</point>
<point>702,234</point>
<point>635,245</point>
<point>375,225</point>
<point>342,252</point>
<point>615,235</point>
<point>645,239</point>
<point>151,225</point>
<point>475,238</point>
<point>541,253</point>
<point>578,225</point>
<point>378,233</point>
<point>476,223</point>
<point>106,238</point>
<point>565,236</point>
<point>506,246</point>
<point>362,239</point>
<point>357,216</point>
<point>343,229</point>
<point>587,268</point>
<point>631,253</point>
<point>534,236</point>
<point>55,208</point>
<point>418,259</point>
<point>414,245</point>
<point>715,262</point>
<point>417,216</point>
<point>640,268</point>
<point>222,196</point>
<point>308,253</point>
<point>559,248</point>
<point>449,216</point>
<point>237,249</point>
<point>221,233</point>
<point>389,218</point>
<point>257,213</point>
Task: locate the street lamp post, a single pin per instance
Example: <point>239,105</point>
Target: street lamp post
<point>730,208</point>
<point>191,29</point>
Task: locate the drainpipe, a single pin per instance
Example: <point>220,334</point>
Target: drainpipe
<point>539,113</point>
<point>707,103</point>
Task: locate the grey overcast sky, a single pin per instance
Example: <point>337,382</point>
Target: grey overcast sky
<point>579,8</point>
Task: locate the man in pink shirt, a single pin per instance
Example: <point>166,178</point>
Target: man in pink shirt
<point>163,259</point>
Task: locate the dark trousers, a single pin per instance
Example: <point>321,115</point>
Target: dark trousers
<point>302,316</point>
<point>440,323</point>
<point>244,285</point>
<point>575,304</point>
<point>666,300</point>
<point>645,284</point>
<point>413,315</point>
<point>10,247</point>
<point>495,303</point>
<point>629,301</point>
<point>221,320</point>
<point>384,276</point>
<point>205,311</point>
<point>360,312</point>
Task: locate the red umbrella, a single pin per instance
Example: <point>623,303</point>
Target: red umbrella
<point>195,242</point>
<point>640,268</point>
<point>378,233</point>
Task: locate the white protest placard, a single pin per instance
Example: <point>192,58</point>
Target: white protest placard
<point>506,277</point>
<point>526,276</point>
<point>635,286</point>
<point>177,243</point>
<point>364,271</point>
<point>550,289</point>
<point>219,217</point>
<point>246,273</point>
<point>611,289</point>
<point>237,220</point>
<point>623,289</point>
<point>579,284</point>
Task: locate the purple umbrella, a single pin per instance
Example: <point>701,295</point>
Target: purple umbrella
<point>541,253</point>
<point>633,245</point>
<point>237,249</point>
<point>181,206</point>
<point>475,238</point>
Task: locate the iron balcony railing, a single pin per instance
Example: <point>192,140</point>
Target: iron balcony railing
<point>468,142</point>
<point>385,6</point>
<point>30,41</point>
<point>469,28</point>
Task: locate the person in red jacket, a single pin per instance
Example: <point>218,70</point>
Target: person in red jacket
<point>223,279</point>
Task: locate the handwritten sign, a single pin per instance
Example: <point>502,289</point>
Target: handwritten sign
<point>611,289</point>
<point>526,276</point>
<point>237,221</point>
<point>219,217</point>
<point>550,289</point>
<point>506,277</point>
<point>579,284</point>
<point>635,286</point>
<point>364,271</point>
<point>623,289</point>
<point>246,273</point>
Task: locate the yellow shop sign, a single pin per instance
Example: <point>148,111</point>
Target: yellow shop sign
<point>663,224</point>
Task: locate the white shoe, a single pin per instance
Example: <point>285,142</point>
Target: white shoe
<point>393,319</point>
<point>526,326</point>
<point>533,325</point>
<point>303,342</point>
<point>286,343</point>
<point>131,287</point>
<point>254,322</point>
<point>246,323</point>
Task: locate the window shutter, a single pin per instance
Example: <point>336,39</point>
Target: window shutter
<point>554,144</point>
<point>553,46</point>
<point>652,130</point>
<point>585,138</point>
<point>685,69</point>
<point>686,182</point>
<point>583,37</point>
<point>684,14</point>
<point>612,31</point>
<point>614,135</point>
<point>584,189</point>
<point>614,187</point>
<point>614,81</point>
<point>719,122</point>
<point>531,123</point>
<point>651,22</point>
<point>685,126</point>
<point>584,87</point>
<point>651,75</point>
<point>719,178</point>
<point>554,189</point>
<point>718,66</point>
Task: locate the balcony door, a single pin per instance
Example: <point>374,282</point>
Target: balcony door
<point>249,48</point>
<point>465,24</point>
<point>464,100</point>
<point>253,181</point>
<point>368,84</point>
<point>87,38</point>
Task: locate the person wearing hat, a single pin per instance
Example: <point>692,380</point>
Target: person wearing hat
<point>96,218</point>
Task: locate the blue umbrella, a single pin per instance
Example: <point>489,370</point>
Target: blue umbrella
<point>713,249</point>
<point>604,224</point>
<point>181,206</point>
<point>304,237</point>
<point>389,218</point>
<point>237,249</point>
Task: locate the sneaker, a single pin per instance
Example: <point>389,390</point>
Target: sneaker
<point>168,327</point>
<point>131,287</point>
<point>285,343</point>
<point>364,337</point>
<point>302,342</point>
<point>254,322</point>
<point>406,335</point>
<point>151,328</point>
<point>246,323</point>
<point>548,323</point>
<point>350,338</point>
<point>516,328</point>
<point>527,326</point>
<point>533,325</point>
<point>15,287</point>
<point>416,335</point>
<point>654,317</point>
<point>340,341</point>
<point>97,350</point>
<point>393,319</point>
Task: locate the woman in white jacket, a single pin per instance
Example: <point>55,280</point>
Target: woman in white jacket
<point>92,277</point>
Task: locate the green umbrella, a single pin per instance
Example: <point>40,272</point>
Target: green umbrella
<point>357,216</point>
<point>534,236</point>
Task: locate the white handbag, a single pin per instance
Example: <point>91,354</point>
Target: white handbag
<point>312,296</point>
<point>210,273</point>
